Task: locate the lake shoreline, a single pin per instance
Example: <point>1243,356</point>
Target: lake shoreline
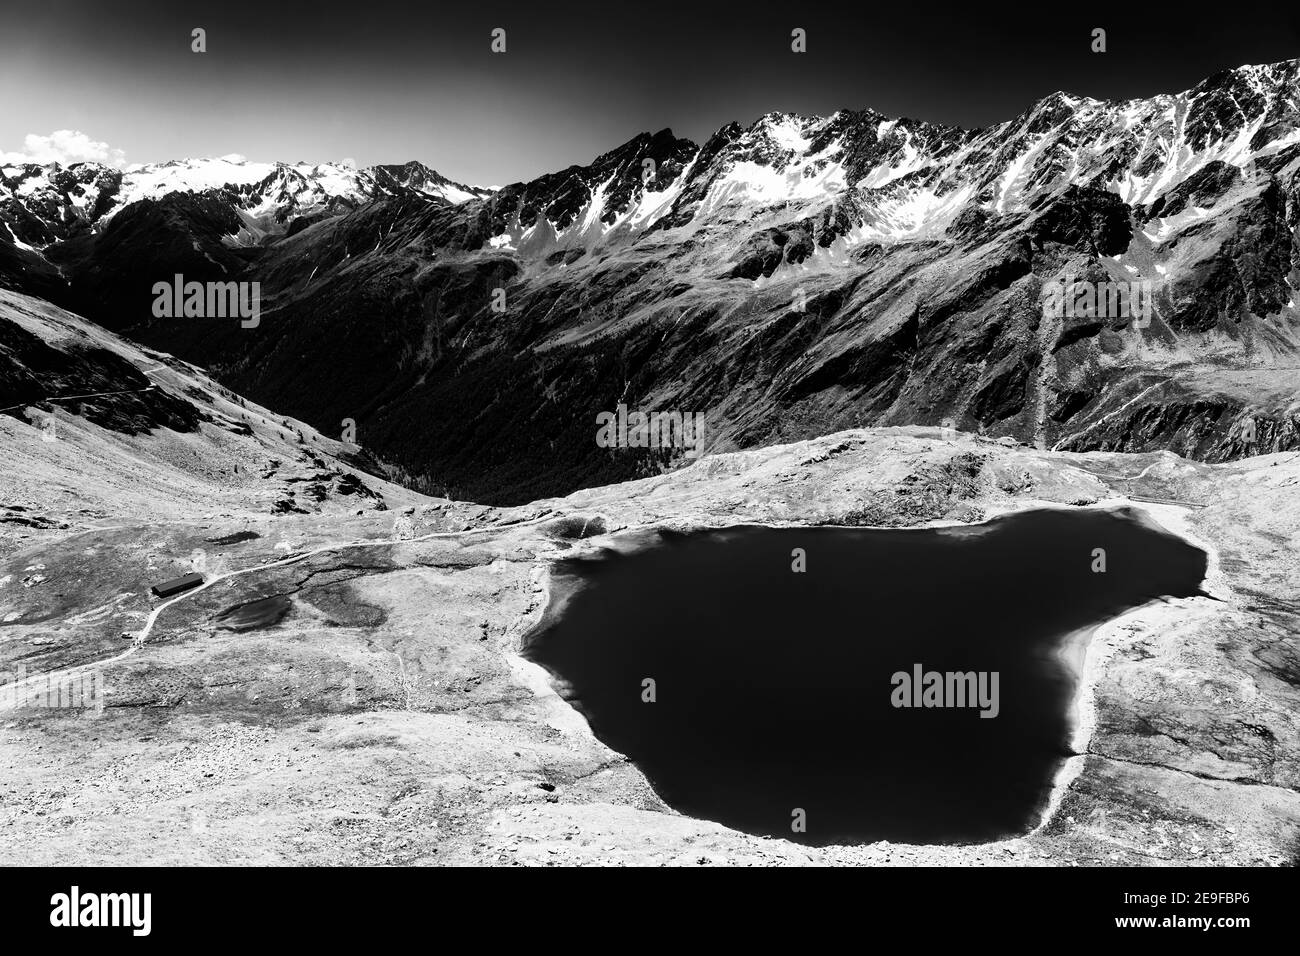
<point>1083,652</point>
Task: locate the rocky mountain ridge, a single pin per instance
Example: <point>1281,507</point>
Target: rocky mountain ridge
<point>44,204</point>
<point>790,278</point>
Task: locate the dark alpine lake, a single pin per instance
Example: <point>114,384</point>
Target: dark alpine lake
<point>768,699</point>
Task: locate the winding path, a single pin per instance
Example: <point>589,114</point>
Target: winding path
<point>9,693</point>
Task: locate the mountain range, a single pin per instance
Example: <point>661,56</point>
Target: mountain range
<point>789,278</point>
<point>43,204</point>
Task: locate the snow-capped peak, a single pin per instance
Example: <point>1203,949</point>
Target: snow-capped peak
<point>45,203</point>
<point>882,179</point>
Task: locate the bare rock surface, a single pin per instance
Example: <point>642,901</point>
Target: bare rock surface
<point>387,718</point>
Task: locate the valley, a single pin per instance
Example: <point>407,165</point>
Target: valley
<point>791,278</point>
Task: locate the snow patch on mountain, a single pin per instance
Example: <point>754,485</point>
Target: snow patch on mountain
<point>266,196</point>
<point>910,215</point>
<point>194,175</point>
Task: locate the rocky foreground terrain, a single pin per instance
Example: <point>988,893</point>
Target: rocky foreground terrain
<point>373,707</point>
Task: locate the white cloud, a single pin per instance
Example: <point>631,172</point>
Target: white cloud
<point>349,162</point>
<point>64,146</point>
<point>235,158</point>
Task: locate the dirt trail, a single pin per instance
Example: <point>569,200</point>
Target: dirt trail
<point>9,693</point>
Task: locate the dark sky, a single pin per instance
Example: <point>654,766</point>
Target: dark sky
<point>377,81</point>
